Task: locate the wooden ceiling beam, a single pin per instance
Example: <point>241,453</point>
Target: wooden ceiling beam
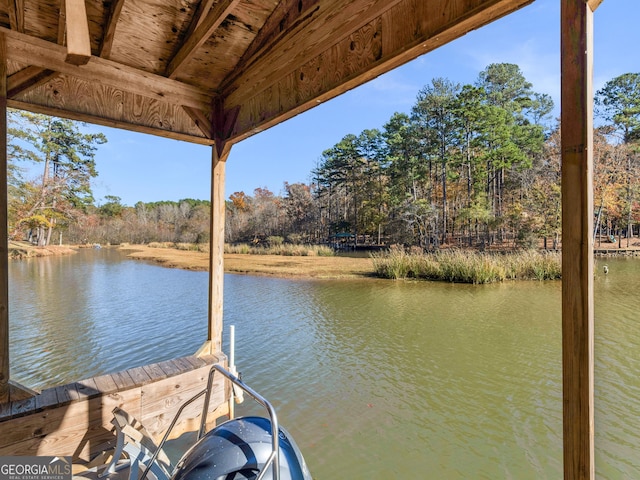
<point>288,17</point>
<point>77,24</point>
<point>204,7</point>
<point>309,42</point>
<point>98,120</point>
<point>269,93</point>
<point>110,29</point>
<point>28,78</point>
<point>50,56</point>
<point>201,34</point>
<point>16,15</point>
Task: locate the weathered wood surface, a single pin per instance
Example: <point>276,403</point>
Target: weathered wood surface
<point>29,50</point>
<point>216,256</point>
<point>75,419</point>
<point>325,59</point>
<point>138,65</point>
<point>76,32</point>
<point>202,33</point>
<point>577,242</point>
<point>110,106</point>
<point>4,245</point>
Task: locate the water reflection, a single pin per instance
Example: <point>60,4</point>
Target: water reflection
<point>415,377</point>
<point>374,379</point>
<point>81,315</point>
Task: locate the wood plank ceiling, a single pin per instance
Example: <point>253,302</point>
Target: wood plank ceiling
<point>218,71</point>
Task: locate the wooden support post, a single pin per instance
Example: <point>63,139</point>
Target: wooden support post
<point>216,252</point>
<point>577,246</point>
<point>4,247</point>
<point>221,126</point>
<point>77,30</point>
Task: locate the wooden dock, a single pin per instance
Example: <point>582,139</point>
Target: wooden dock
<point>75,419</point>
<point>616,252</point>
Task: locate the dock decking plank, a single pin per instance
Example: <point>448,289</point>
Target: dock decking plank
<point>5,410</point>
<point>170,367</point>
<point>65,419</point>
<point>23,407</point>
<point>69,420</point>
<point>139,376</point>
<point>123,380</point>
<point>67,393</point>
<point>155,372</point>
<point>184,365</point>
<point>87,388</point>
<point>105,384</point>
<point>47,398</point>
<point>196,362</point>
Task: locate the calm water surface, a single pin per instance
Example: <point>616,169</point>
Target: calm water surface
<point>375,379</point>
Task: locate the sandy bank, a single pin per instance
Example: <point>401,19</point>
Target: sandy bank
<point>270,265</point>
<point>26,250</point>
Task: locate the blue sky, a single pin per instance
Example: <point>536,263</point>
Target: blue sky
<point>137,167</point>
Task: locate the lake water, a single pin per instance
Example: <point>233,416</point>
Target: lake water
<point>375,379</point>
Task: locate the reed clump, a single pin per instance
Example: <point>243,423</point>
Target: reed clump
<point>274,248</point>
<point>463,266</point>
<point>190,247</point>
<point>285,249</point>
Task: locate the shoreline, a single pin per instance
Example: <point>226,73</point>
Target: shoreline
<point>263,265</point>
<point>19,250</point>
<point>307,267</point>
<point>303,267</point>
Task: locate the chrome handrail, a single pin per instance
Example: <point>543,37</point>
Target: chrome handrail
<point>274,459</point>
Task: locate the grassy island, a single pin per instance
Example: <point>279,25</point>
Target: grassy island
<point>460,266</point>
<point>464,266</point>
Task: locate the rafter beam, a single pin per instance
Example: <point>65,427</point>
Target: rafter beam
<point>50,56</point>
<point>201,120</point>
<point>308,39</point>
<point>77,32</point>
<point>16,15</point>
<point>204,7</point>
<point>313,67</point>
<point>201,34</point>
<point>28,78</point>
<point>288,17</point>
<point>110,29</point>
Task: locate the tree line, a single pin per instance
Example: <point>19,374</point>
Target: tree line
<point>469,165</point>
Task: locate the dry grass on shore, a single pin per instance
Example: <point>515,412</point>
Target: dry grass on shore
<point>27,250</point>
<point>269,265</point>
